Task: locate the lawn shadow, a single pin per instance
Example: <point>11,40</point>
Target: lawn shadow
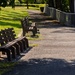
<point>10,24</point>
<point>12,15</point>
<point>10,18</point>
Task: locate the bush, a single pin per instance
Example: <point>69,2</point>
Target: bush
<point>41,8</point>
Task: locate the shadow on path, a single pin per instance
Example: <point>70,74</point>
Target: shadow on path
<point>45,66</point>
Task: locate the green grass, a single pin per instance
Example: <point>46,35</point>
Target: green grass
<point>11,18</point>
<point>36,6</point>
<point>33,45</point>
<point>30,36</point>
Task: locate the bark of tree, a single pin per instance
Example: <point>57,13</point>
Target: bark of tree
<point>27,4</point>
<point>58,4</point>
<point>71,5</point>
<point>50,3</point>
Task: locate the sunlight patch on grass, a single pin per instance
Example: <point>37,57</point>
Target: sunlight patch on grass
<point>11,18</point>
<point>33,45</point>
<point>36,37</point>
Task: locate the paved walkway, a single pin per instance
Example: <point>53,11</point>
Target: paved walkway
<point>54,53</point>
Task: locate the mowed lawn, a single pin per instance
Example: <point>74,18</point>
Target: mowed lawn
<point>11,18</point>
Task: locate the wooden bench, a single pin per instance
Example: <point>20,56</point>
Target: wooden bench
<point>33,24</point>
<point>28,27</point>
<point>22,39</point>
<point>30,24</point>
<point>8,48</point>
<point>11,45</point>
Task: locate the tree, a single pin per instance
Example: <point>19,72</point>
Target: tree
<point>58,4</point>
<point>12,3</point>
<point>27,2</point>
<point>20,1</point>
<point>61,4</point>
<point>3,3</point>
<point>34,1</point>
<point>50,3</point>
<point>71,5</point>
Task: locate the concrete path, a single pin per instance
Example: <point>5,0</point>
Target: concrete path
<point>54,53</point>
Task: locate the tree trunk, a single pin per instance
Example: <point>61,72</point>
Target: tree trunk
<point>54,3</point>
<point>71,5</point>
<point>0,7</point>
<point>27,4</point>
<point>35,1</point>
<point>58,4</point>
<point>50,3</point>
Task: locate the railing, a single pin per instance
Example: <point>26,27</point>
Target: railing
<point>63,17</point>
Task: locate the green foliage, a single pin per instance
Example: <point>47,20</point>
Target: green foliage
<point>65,5</point>
<point>29,1</point>
<point>12,3</point>
<point>3,3</point>
<point>59,4</point>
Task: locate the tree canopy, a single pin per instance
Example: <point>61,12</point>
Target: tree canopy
<point>3,3</point>
<point>64,5</point>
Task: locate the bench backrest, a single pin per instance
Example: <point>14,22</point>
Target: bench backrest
<point>24,27</point>
<point>26,20</point>
<point>6,36</point>
<point>1,39</point>
<point>12,34</point>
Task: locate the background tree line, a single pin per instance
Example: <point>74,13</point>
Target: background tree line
<point>63,5</point>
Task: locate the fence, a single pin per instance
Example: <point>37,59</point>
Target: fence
<point>63,17</point>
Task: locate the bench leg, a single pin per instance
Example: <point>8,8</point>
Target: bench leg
<point>33,33</point>
<point>27,43</point>
<point>8,54</point>
<point>21,45</point>
<point>13,50</point>
<point>35,29</point>
<point>3,52</point>
<point>24,44</point>
<point>17,48</point>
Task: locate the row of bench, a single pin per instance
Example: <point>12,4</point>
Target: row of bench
<point>10,45</point>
